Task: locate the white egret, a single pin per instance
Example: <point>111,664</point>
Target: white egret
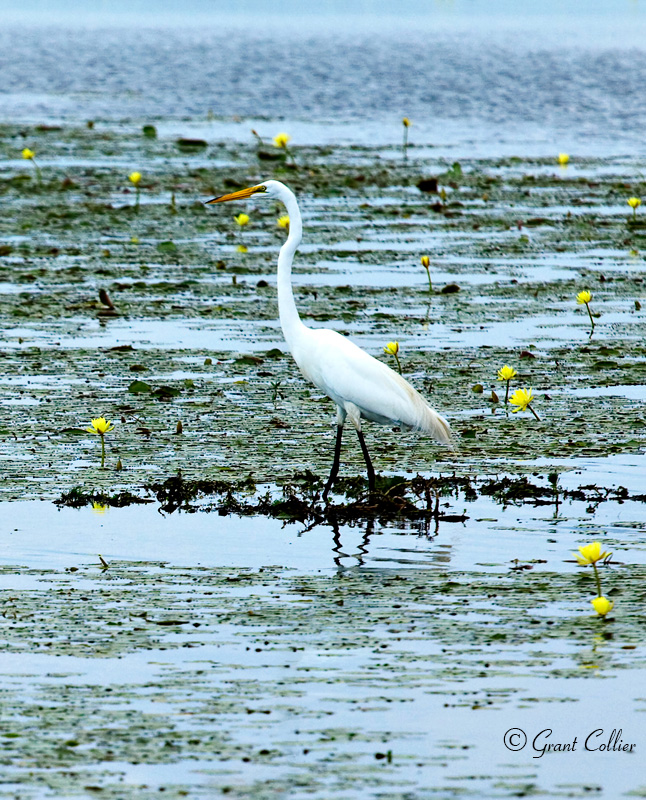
<point>361,386</point>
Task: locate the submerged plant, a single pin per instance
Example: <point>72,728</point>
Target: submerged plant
<point>100,427</point>
<point>506,374</point>
<point>392,349</point>
<point>583,299</point>
<point>135,179</point>
<point>31,156</point>
<point>589,555</point>
<point>522,398</point>
<point>426,263</point>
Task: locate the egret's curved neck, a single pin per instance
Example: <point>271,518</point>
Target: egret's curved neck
<point>289,319</point>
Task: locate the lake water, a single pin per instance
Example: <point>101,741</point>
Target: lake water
<point>473,73</point>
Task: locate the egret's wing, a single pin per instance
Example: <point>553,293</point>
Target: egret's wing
<point>347,374</point>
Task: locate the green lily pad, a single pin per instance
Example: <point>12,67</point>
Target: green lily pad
<point>167,247</point>
<point>139,387</point>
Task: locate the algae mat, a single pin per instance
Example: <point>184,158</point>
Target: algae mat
<point>193,336</point>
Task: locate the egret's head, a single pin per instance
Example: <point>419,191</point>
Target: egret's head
<point>267,189</point>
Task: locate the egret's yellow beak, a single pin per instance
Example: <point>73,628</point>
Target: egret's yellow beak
<point>243,194</point>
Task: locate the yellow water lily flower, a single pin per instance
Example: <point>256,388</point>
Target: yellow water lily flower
<point>634,203</point>
<point>242,219</point>
<point>426,263</point>
<point>602,605</point>
<point>135,179</point>
<point>583,299</point>
<point>283,222</point>
<point>563,159</point>
<point>281,140</point>
<point>521,398</point>
<point>100,426</point>
<point>31,156</point>
<point>392,349</point>
<point>590,554</point>
<point>406,124</point>
<point>506,373</point>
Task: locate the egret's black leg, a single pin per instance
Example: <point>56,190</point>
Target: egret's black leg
<point>335,466</point>
<point>366,455</point>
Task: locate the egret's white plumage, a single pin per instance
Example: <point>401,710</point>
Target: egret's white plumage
<point>360,385</point>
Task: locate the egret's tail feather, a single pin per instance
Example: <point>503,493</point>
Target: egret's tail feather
<point>418,415</point>
<point>435,424</point>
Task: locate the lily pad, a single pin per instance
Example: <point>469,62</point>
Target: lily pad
<point>167,247</point>
<point>139,387</point>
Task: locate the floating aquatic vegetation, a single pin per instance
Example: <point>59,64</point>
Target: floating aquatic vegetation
<point>178,304</point>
